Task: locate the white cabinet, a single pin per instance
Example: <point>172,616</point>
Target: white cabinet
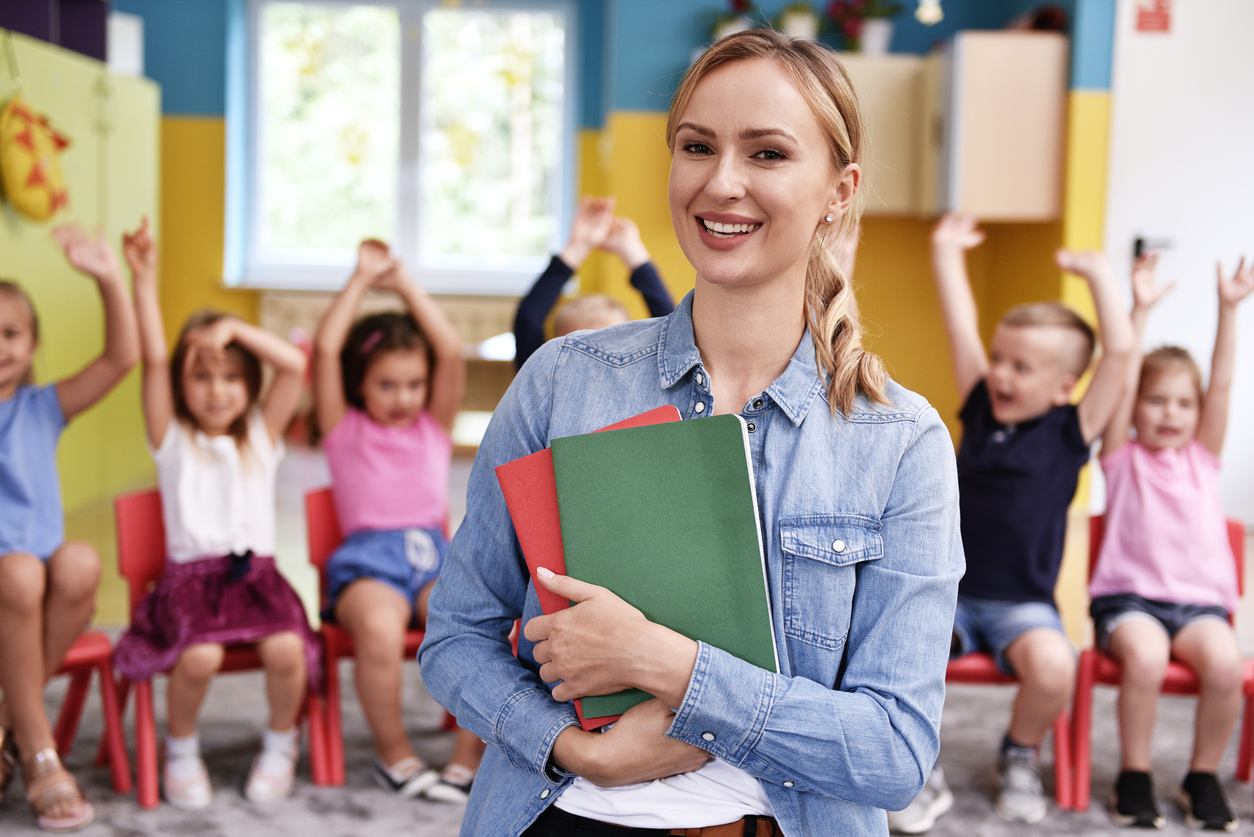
<point>888,88</point>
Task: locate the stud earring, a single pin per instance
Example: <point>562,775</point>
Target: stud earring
<point>829,217</point>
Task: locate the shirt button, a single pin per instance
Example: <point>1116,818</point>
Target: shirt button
<point>708,736</point>
<point>838,546</point>
<point>788,784</point>
<point>544,794</point>
<point>751,426</point>
<point>757,403</point>
<point>700,408</point>
<point>700,379</point>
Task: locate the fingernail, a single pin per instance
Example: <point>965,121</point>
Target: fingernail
<point>545,572</point>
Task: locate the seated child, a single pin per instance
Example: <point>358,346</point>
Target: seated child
<point>595,225</point>
<point>386,392</point>
<point>1022,449</point>
<point>47,584</point>
<point>1165,584</point>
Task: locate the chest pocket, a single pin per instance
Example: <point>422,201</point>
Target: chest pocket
<point>822,554</point>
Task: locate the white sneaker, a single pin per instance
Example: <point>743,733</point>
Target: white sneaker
<point>920,815</point>
<point>1020,796</point>
<point>187,786</point>
<point>272,777</point>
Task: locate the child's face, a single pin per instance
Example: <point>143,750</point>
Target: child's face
<point>216,394</point>
<point>395,387</point>
<point>1027,376</point>
<point>1167,410</point>
<point>17,344</point>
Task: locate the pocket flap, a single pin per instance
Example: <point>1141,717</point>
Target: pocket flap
<point>836,540</point>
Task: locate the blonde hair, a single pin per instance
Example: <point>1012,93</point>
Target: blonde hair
<point>14,291</point>
<point>829,303</point>
<point>589,311</point>
<point>1057,315</point>
<point>1165,359</point>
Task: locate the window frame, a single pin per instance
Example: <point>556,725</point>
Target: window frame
<point>248,267</point>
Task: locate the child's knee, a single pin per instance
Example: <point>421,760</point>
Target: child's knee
<point>284,653</point>
<point>199,662</point>
<point>1044,662</point>
<point>74,571</point>
<point>23,583</point>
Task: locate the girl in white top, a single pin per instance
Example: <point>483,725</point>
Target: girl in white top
<point>217,443</point>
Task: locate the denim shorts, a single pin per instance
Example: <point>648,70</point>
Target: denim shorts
<point>407,559</point>
<point>1109,612</point>
<point>991,625</point>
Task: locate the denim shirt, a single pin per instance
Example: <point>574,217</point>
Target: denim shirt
<point>860,530</point>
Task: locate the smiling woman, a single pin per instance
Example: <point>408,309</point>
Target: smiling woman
<point>766,142</point>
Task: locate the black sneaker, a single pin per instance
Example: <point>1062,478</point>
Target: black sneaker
<point>1132,801</point>
<point>1204,805</point>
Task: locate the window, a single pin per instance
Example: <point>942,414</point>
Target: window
<point>444,129</point>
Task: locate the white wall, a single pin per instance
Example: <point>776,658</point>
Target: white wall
<point>1182,170</point>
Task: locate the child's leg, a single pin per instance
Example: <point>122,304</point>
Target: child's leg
<point>23,671</point>
<point>468,750</point>
<point>377,615</point>
<point>189,681</point>
<point>73,578</point>
<point>283,656</point>
<point>1045,665</point>
<point>1142,648</point>
<point>1210,648</point>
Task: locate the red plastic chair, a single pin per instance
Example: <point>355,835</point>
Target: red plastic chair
<point>979,667</point>
<point>141,560</point>
<point>1096,667</point>
<point>323,530</point>
<point>93,652</point>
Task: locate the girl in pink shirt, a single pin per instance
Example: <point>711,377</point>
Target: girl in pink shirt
<point>386,391</point>
<point>1165,582</point>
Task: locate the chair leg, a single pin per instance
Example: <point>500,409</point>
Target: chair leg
<point>334,724</point>
<point>72,709</point>
<point>1064,783</point>
<point>114,735</point>
<point>315,717</point>
<point>1081,732</point>
<point>121,690</point>
<point>146,746</point>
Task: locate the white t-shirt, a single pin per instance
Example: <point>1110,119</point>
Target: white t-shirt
<point>216,497</point>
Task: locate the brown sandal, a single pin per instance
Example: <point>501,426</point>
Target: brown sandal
<point>49,785</point>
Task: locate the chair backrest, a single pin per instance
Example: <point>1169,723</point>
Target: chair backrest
<point>1236,538</point>
<point>322,529</point>
<point>141,541</point>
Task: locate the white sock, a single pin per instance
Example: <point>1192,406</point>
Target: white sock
<point>279,750</point>
<point>182,756</point>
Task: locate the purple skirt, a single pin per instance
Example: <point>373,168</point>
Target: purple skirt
<point>198,602</point>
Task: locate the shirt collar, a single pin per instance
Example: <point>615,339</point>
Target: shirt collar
<point>794,391</point>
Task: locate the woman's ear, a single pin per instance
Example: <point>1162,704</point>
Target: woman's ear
<point>846,190</point>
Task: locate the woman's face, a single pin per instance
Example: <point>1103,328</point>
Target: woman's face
<point>751,176</point>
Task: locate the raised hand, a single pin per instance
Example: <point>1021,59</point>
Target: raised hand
<point>92,256</point>
<point>588,231</point>
<point>623,240</point>
<point>208,343</point>
<point>140,250</point>
<point>374,260</point>
<point>1146,291</point>
<point>1091,264</point>
<point>957,230</point>
<point>1238,286</point>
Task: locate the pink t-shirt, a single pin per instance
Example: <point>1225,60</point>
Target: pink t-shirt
<point>1166,537</point>
<point>387,478</point>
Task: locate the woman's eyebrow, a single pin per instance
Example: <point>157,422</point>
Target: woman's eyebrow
<point>746,134</point>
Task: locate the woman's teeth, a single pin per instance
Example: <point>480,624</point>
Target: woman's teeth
<point>718,230</point>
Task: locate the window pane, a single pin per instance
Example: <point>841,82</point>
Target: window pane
<point>328,128</point>
<point>490,134</point>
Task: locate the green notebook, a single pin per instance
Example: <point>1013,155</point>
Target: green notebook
<point>666,517</point>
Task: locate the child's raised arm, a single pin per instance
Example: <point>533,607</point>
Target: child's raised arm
<point>447,385</point>
<point>278,403</point>
<point>1145,295</point>
<point>953,236</point>
<point>1213,422</point>
<point>1105,391</point>
<point>373,261</point>
<point>141,255</point>
<point>95,257</point>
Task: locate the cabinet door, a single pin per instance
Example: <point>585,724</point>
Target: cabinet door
<point>888,92</point>
<point>996,105</point>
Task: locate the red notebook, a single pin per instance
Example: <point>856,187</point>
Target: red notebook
<point>531,495</point>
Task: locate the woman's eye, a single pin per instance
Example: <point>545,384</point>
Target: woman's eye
<point>770,154</point>
<point>696,148</point>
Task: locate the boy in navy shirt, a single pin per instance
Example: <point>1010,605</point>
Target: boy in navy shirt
<point>1022,449</point>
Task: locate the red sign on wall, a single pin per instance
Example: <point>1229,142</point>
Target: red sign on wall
<point>1153,15</point>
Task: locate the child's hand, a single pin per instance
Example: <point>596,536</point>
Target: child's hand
<point>374,259</point>
<point>1145,289</point>
<point>92,256</point>
<point>957,230</point>
<point>207,344</point>
<point>1091,264</point>
<point>592,221</point>
<point>1239,286</point>
<point>623,240</point>
<point>140,250</point>
<point>397,279</point>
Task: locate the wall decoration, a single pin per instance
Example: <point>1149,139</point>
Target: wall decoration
<point>30,168</point>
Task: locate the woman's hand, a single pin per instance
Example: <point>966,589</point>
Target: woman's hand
<point>635,749</point>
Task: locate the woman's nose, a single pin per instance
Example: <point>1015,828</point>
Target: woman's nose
<point>726,180</point>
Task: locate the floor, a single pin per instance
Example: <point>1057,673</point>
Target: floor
<point>974,719</point>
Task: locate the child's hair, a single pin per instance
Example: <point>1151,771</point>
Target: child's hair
<point>249,367</point>
<point>589,311</point>
<point>1057,315</point>
<point>372,336</point>
<point>823,83</point>
<point>14,291</point>
<point>1165,359</point>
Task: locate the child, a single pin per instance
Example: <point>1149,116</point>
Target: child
<point>47,585</point>
<point>217,442</point>
<point>386,392</point>
<point>595,225</point>
<point>1165,582</point>
<point>1022,449</point>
